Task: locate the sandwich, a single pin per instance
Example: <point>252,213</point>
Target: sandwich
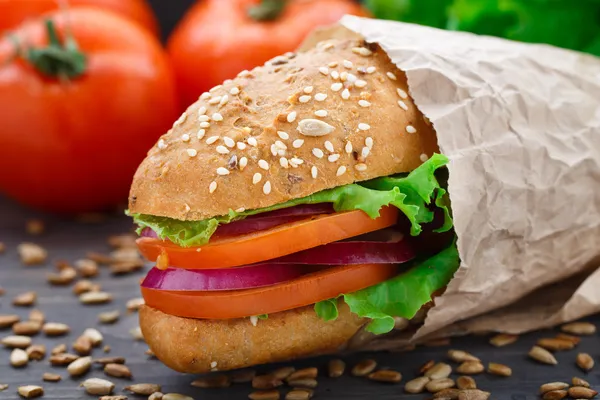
<point>289,210</point>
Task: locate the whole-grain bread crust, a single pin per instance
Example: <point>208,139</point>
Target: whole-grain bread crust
<point>210,161</point>
<point>198,346</point>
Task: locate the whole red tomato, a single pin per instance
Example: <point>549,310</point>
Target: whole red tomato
<point>13,13</point>
<point>219,38</point>
<point>82,98</point>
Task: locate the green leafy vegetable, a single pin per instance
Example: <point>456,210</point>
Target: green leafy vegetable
<point>263,316</point>
<point>413,194</point>
<point>572,24</point>
<point>401,296</point>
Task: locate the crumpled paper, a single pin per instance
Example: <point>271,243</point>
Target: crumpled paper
<point>521,126</point>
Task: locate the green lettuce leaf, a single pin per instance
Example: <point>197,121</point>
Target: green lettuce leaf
<point>412,194</point>
<point>401,296</point>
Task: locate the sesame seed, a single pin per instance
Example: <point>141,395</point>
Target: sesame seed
<point>332,64</point>
<point>214,100</point>
<point>333,157</point>
<point>296,160</point>
<point>351,77</point>
<point>308,89</point>
<point>263,164</point>
<point>212,139</point>
<point>204,124</point>
<point>304,99</point>
<point>222,171</point>
<point>234,90</point>
<point>364,127</point>
<point>273,149</point>
<point>214,89</point>
<point>192,152</point>
<point>267,187</point>
<point>284,162</point>
<point>279,144</point>
<point>161,144</point>
<point>224,100</point>
<point>205,96</point>
<point>335,75</point>
<point>244,73</point>
<point>324,70</point>
<point>185,137</point>
<point>365,152</point>
<point>297,143</point>
<point>241,145</point>
<point>246,130</point>
<point>327,46</point>
<point>202,110</point>
<point>348,147</point>
<point>402,93</point>
<point>410,129</point>
<point>240,210</point>
<point>344,76</point>
<point>424,157</point>
<point>243,162</point>
<point>217,117</point>
<point>291,117</point>
<point>212,187</point>
<point>336,87</point>
<point>229,142</point>
<point>321,113</point>
<point>391,75</point>
<point>256,178</point>
<point>252,141</point>
<point>329,146</point>
<point>317,152</point>
<point>362,51</point>
<point>314,171</point>
<point>222,150</point>
<point>370,70</point>
<point>203,118</point>
<point>359,83</point>
<point>360,167</point>
<point>369,142</point>
<point>345,94</point>
<point>348,64</point>
<point>364,103</point>
<point>402,105</point>
<point>340,171</point>
<point>201,133</point>
<point>320,96</point>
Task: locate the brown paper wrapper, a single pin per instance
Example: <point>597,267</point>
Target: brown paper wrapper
<point>520,124</point>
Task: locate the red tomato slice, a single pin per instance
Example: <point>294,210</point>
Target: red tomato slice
<point>268,244</point>
<point>309,289</point>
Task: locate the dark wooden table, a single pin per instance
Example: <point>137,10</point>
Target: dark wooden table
<point>69,240</point>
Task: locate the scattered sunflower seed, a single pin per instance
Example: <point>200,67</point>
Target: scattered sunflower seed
<point>439,371</point>
<point>364,368</point>
<point>385,375</point>
<point>145,389</point>
<point>32,254</point>
<point>125,254</point>
<point>156,396</point>
<point>125,267</point>
<point>542,355</point>
<point>503,339</point>
<point>212,381</point>
<point>94,335</point>
<point>466,382</point>
<point>80,367</point>
<point>580,392</point>
<point>416,385</point>
<point>82,286</point>
<point>473,394</point>
<point>30,391</point>
<point>580,382</point>
<point>436,385</point>
<point>299,394</point>
<point>579,328</point>
<point>283,372</point>
<point>34,227</point>
<point>425,367</point>
<point>441,342</point>
<point>554,344</point>
<point>555,395</point>
<point>95,298</point>
<point>64,277</point>
<point>27,328</point>
<point>570,338</point>
<point>18,358</point>
<point>87,268</point>
<point>135,304</point>
<point>118,397</point>
<point>302,383</point>
<point>548,387</point>
<point>461,356</point>
<point>499,369</point>
<point>109,360</point>
<point>265,395</point>
<point>16,342</point>
<point>37,316</point>
<point>123,240</point>
<point>176,396</point>
<point>50,377</point>
<point>336,368</point>
<point>6,321</point>
<point>266,382</point>
<point>302,374</point>
<point>136,333</point>
<point>36,352</point>
<point>243,376</point>
<point>584,361</point>
<point>100,387</point>
<point>447,394</point>
<point>63,359</point>
<point>470,368</point>
<point>101,259</point>
<point>2,247</point>
<point>106,348</point>
<point>3,386</point>
<point>55,329</point>
<point>83,346</point>
<point>59,349</point>
<point>26,299</point>
<point>117,370</point>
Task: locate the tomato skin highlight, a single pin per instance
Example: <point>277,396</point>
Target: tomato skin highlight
<point>272,243</point>
<point>309,289</point>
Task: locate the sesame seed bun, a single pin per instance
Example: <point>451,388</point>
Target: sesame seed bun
<point>335,114</point>
<point>198,346</point>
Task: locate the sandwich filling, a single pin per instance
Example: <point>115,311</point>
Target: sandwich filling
<point>383,246</point>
